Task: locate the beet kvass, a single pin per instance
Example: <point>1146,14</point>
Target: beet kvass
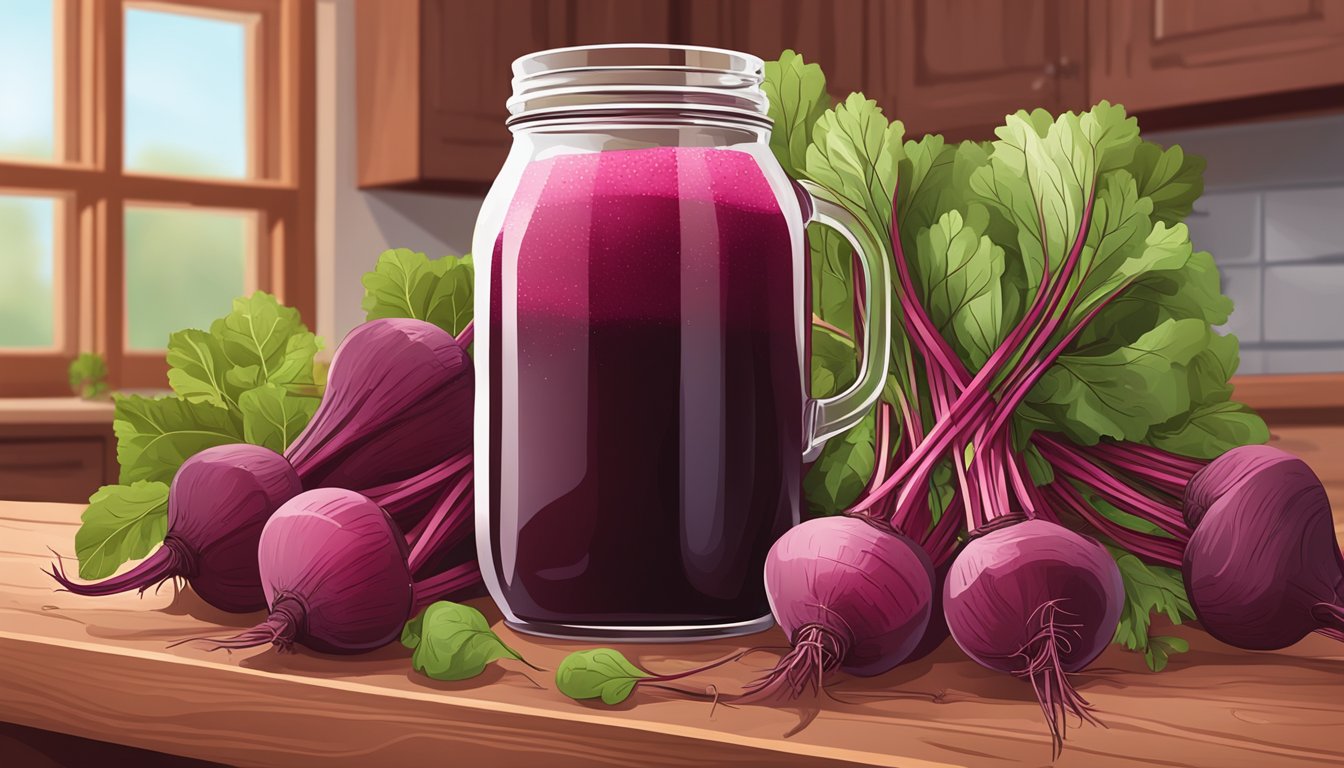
<point>644,412</point>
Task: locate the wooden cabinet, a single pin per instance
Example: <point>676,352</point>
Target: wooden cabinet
<point>959,66</point>
<point>832,33</point>
<point>1152,54</point>
<point>55,449</point>
<point>433,76</point>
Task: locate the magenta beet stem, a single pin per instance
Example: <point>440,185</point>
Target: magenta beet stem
<point>446,525</point>
<point>467,334</point>
<point>442,585</point>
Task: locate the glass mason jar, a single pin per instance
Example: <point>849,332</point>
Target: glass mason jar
<point>642,346</point>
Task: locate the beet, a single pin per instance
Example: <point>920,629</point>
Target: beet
<point>399,401</point>
<point>849,595</point>
<point>1037,601</point>
<point>333,567</point>
<point>218,504</point>
<point>1224,473</point>
<point>1263,568</point>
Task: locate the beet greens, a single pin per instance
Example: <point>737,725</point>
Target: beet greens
<point>1055,365</point>
<point>1054,355</point>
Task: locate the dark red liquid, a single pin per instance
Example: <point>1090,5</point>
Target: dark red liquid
<point>646,389</point>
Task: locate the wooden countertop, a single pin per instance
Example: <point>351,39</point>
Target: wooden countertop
<point>54,410</point>
<point>101,668</point>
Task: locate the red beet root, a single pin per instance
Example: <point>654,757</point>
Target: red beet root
<point>334,570</point>
<point>398,402</point>
<point>1037,601</point>
<point>849,595</point>
<point>1263,568</point>
<point>1223,474</point>
<point>218,504</point>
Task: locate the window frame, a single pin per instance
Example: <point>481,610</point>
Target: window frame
<point>88,172</point>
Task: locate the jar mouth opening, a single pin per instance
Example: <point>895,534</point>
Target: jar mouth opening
<point>619,78</point>
<point>638,55</point>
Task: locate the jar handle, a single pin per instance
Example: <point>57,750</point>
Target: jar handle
<point>827,417</point>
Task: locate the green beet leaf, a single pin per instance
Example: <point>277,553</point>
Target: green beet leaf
<point>1161,649</point>
<point>273,417</point>
<point>1214,424</point>
<point>1209,374</point>
<point>834,364</point>
<point>928,172</point>
<point>453,642</point>
<point>962,280</point>
<point>1182,290</point>
<point>198,369</point>
<point>155,435</point>
<point>844,467</point>
<point>797,94</point>
<point>1209,431</point>
<point>122,523</point>
<point>855,154</point>
<point>600,673</point>
<point>832,278</point>
<point>1121,392</point>
<point>1170,178</point>
<point>1042,172</point>
<point>1149,589</point>
<point>266,342</point>
<point>405,283</point>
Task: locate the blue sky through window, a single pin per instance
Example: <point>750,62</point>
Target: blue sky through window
<point>186,94</point>
<point>27,78</point>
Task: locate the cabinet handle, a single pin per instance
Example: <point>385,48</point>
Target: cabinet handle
<point>1047,72</point>
<point>1054,70</point>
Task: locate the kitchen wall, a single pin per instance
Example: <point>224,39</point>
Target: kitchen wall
<point>1273,217</point>
<point>354,226</point>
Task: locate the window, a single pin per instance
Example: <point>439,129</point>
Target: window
<point>155,162</point>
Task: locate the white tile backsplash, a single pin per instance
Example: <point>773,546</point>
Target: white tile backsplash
<point>1272,215</point>
<point>1273,153</point>
<point>1304,303</point>
<point>1242,285</point>
<point>1252,361</point>
<point>1228,226</point>
<point>1304,224</point>
<point>1306,360</point>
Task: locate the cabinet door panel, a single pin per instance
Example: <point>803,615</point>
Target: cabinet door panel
<point>468,50</point>
<point>1165,53</point>
<point>831,33</point>
<point>67,469</point>
<point>960,65</point>
<point>467,47</point>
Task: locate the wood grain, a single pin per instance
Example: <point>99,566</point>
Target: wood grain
<point>101,668</point>
<point>387,87</point>
<point>1153,54</point>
